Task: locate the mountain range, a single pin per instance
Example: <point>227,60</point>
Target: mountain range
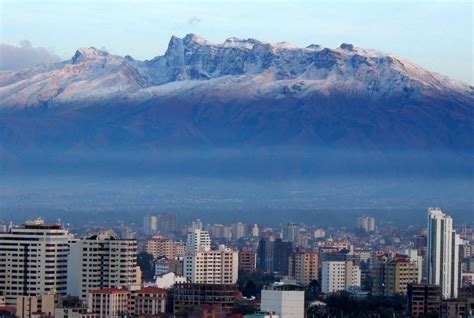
<point>240,93</point>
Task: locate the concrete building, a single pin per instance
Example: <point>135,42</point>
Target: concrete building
<point>27,306</point>
<point>273,255</point>
<point>147,301</point>
<point>286,300</point>
<point>247,259</point>
<point>189,296</point>
<point>366,223</point>
<point>101,261</point>
<point>33,260</point>
<point>443,253</point>
<point>457,308</point>
<point>212,266</point>
<point>339,275</point>
<point>196,225</point>
<point>168,280</point>
<point>304,267</point>
<point>392,274</point>
<point>150,225</point>
<point>238,230</point>
<point>423,300</point>
<point>108,303</point>
<point>198,240</point>
<point>255,231</point>
<point>164,265</point>
<point>159,246</point>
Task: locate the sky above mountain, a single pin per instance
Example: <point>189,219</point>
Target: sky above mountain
<point>434,34</point>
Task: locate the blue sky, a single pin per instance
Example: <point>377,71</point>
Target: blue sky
<point>435,34</point>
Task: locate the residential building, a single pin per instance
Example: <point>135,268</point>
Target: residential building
<point>164,265</point>
<point>286,300</point>
<point>33,260</point>
<point>189,296</point>
<point>101,261</point>
<point>196,225</point>
<point>150,225</point>
<point>443,253</point>
<point>160,246</point>
<point>290,232</point>
<point>167,223</point>
<point>108,303</point>
<point>247,259</point>
<point>255,231</point>
<point>147,301</point>
<point>423,299</point>
<point>168,280</point>
<point>392,274</point>
<point>26,306</point>
<point>211,266</point>
<point>198,240</point>
<point>457,308</point>
<point>339,275</point>
<point>238,230</point>
<point>304,266</point>
<point>366,223</point>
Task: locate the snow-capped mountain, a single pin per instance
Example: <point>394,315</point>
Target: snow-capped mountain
<point>242,91</point>
<point>252,66</point>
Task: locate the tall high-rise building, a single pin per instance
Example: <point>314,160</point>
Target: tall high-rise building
<point>212,266</point>
<point>100,261</point>
<point>238,230</point>
<point>33,260</point>
<point>290,232</point>
<point>255,231</point>
<point>273,255</point>
<point>339,275</point>
<point>443,253</point>
<point>198,240</point>
<point>150,224</point>
<point>366,223</point>
<point>159,246</point>
<point>304,266</point>
<point>167,223</point>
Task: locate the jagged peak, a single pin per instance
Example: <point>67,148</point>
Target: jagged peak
<point>193,38</point>
<point>90,53</point>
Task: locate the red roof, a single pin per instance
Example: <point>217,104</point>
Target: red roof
<point>152,290</point>
<point>8,308</point>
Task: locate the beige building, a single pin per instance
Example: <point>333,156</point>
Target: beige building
<point>304,267</point>
<point>101,261</point>
<point>116,302</point>
<point>33,260</point>
<point>212,266</point>
<point>108,303</point>
<point>160,246</point>
<point>391,275</point>
<point>26,306</point>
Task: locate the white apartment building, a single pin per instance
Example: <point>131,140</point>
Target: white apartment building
<point>212,266</point>
<point>100,261</point>
<point>366,223</point>
<point>108,303</point>
<point>150,224</point>
<point>443,253</point>
<point>339,275</point>
<point>285,301</point>
<point>33,260</point>
<point>198,240</point>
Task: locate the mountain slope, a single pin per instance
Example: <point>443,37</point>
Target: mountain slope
<point>238,93</point>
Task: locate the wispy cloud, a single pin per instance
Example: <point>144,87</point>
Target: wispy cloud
<point>194,20</point>
<point>24,55</point>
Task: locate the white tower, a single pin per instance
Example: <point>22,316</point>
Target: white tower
<point>443,253</point>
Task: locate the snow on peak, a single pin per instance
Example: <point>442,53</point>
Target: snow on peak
<point>234,42</point>
<point>91,53</point>
<point>193,38</point>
